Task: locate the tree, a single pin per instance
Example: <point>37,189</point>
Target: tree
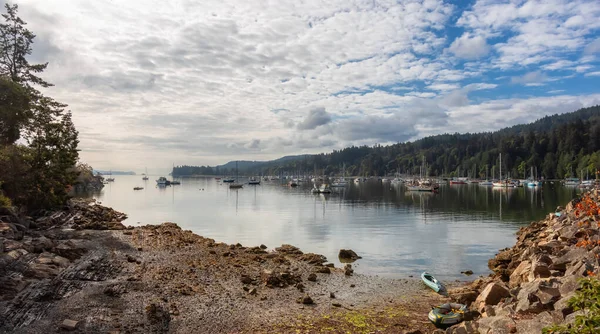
<point>42,170</point>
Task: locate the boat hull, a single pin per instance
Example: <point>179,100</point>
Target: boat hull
<point>432,282</point>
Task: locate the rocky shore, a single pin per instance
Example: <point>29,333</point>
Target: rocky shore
<point>79,269</point>
<point>533,280</point>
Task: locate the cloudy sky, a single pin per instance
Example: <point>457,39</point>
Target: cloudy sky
<point>155,83</point>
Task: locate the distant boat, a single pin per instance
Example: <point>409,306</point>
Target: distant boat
<point>323,189</point>
<point>235,185</point>
<point>162,181</point>
<point>228,180</point>
<point>138,188</point>
<point>293,183</point>
<point>174,182</point>
<point>110,179</point>
<point>571,181</point>
<point>254,181</point>
<point>145,178</point>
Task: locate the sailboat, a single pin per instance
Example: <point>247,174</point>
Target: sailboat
<point>487,181</point>
<point>341,182</point>
<point>110,179</point>
<point>502,183</point>
<point>236,185</point>
<point>145,178</point>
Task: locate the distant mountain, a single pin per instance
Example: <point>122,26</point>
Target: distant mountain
<point>114,172</point>
<point>556,146</point>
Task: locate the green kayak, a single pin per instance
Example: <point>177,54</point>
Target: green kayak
<point>433,283</point>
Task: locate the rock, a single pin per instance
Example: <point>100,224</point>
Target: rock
<point>42,244</point>
<point>536,324</point>
<point>69,325</point>
<point>348,255</point>
<point>571,256</point>
<point>496,325</point>
<point>348,271</point>
<point>465,297</point>
<point>562,305</point>
<point>312,258</point>
<point>336,304</point>
<point>578,269</point>
<point>306,300</point>
<point>246,279</point>
<point>539,270</point>
<point>536,296</point>
<point>416,331</point>
<point>570,319</point>
<point>289,249</point>
<point>69,249</point>
<point>489,311</point>
<point>352,285</point>
<point>252,291</point>
<point>324,270</point>
<point>331,295</point>
<point>312,277</point>
<point>467,272</point>
<point>263,246</point>
<point>491,295</point>
<point>520,274</point>
<point>569,284</point>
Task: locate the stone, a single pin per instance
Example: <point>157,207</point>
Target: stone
<point>69,249</point>
<point>253,291</point>
<point>562,305</point>
<point>348,271</point>
<point>578,269</point>
<point>491,295</point>
<point>324,270</point>
<point>348,255</point>
<point>331,295</point>
<point>466,298</point>
<point>520,274</point>
<point>569,284</point>
<point>489,311</point>
<point>539,270</point>
<point>534,297</point>
<point>496,325</point>
<point>42,244</point>
<point>69,325</point>
<point>570,319</point>
<point>336,304</point>
<point>571,256</point>
<point>312,277</point>
<point>306,300</point>
<point>467,272</point>
<point>536,324</point>
<point>246,280</point>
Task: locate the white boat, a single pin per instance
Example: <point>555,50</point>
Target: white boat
<point>486,183</point>
<point>162,181</point>
<point>145,178</point>
<point>502,183</point>
<point>571,181</point>
<point>323,189</point>
<point>339,183</point>
<point>254,181</point>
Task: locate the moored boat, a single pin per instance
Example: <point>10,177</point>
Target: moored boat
<point>323,189</point>
<point>162,181</point>
<point>138,188</point>
<point>254,181</point>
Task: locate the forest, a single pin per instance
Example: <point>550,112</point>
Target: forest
<point>557,146</point>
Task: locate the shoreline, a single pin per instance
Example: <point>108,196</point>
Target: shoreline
<point>82,269</point>
<point>159,278</point>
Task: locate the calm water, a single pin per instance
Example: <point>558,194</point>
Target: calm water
<point>398,233</point>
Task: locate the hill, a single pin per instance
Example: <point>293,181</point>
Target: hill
<point>556,146</point>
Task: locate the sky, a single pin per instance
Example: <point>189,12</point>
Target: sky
<point>156,83</point>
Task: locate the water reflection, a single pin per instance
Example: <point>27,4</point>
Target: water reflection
<point>397,232</point>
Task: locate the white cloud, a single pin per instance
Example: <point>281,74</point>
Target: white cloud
<point>531,78</point>
<point>314,119</point>
<point>468,47</point>
<point>593,74</point>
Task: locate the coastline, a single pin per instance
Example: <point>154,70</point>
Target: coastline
<point>83,265</point>
<point>81,269</point>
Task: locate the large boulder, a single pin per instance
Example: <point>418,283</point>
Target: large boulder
<point>571,256</point>
<point>492,294</point>
<point>536,296</point>
<point>562,305</point>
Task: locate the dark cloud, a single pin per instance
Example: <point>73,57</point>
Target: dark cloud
<point>316,117</point>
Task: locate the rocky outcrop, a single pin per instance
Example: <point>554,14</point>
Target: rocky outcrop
<point>348,255</point>
<point>533,280</point>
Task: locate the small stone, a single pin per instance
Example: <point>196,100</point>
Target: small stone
<point>306,300</point>
<point>263,246</point>
<point>69,324</point>
<point>329,265</point>
<point>252,291</point>
<point>312,277</point>
<point>324,270</point>
<point>212,251</point>
<point>300,287</point>
<point>140,249</point>
<point>336,304</point>
<point>352,285</point>
<point>331,295</point>
<point>246,288</point>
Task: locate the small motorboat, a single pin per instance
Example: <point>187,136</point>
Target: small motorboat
<point>433,283</point>
<point>447,315</point>
<point>138,188</point>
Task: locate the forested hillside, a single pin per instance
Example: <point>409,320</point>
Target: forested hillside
<point>557,146</point>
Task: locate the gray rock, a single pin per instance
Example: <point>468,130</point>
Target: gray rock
<point>491,295</point>
<point>571,256</point>
<point>562,305</point>
<point>312,277</point>
<point>578,268</point>
<point>496,325</point>
<point>570,319</point>
<point>569,284</point>
<point>69,324</point>
<point>536,324</point>
<point>348,255</point>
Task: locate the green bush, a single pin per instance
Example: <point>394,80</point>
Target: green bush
<point>587,299</point>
